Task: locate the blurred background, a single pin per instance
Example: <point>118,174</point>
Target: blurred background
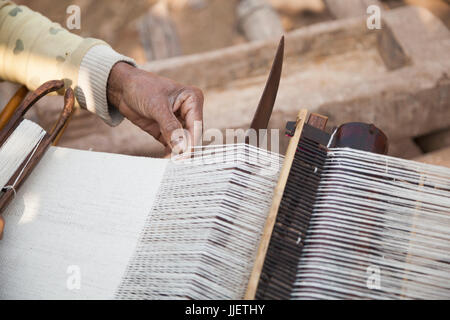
<point>198,25</point>
<point>396,77</point>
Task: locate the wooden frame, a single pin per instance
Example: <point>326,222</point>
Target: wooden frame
<point>315,120</point>
<point>252,285</point>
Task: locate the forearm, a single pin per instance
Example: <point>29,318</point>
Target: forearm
<point>95,70</point>
<point>34,50</point>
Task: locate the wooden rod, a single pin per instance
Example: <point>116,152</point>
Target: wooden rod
<point>252,285</point>
<point>12,105</point>
<point>63,129</point>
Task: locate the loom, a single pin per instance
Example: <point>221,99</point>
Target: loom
<point>12,118</point>
<point>334,218</point>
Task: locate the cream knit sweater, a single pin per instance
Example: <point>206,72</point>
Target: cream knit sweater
<point>34,50</point>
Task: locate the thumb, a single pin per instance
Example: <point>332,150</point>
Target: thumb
<point>172,130</point>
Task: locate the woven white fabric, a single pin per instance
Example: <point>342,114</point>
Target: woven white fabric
<point>78,214</point>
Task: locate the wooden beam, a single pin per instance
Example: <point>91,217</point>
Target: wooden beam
<point>258,20</point>
<point>318,121</point>
<point>276,200</point>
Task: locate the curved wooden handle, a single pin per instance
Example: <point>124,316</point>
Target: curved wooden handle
<point>69,101</point>
<point>26,104</point>
<point>27,166</point>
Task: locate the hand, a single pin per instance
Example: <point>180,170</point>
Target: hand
<point>155,104</point>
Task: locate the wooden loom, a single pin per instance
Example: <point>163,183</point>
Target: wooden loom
<point>272,233</point>
<point>13,114</point>
<point>267,280</point>
<point>355,135</point>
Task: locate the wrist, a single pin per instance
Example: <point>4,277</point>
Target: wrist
<point>118,76</point>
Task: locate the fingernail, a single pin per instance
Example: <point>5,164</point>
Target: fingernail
<point>178,145</point>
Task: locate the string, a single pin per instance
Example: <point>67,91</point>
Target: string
<point>379,229</point>
<point>10,187</point>
<point>202,234</point>
<point>331,138</point>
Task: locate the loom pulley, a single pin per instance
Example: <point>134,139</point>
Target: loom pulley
<point>355,135</point>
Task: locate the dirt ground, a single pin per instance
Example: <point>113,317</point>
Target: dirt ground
<point>202,25</point>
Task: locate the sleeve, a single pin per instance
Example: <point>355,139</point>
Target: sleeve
<point>34,50</point>
<point>92,82</point>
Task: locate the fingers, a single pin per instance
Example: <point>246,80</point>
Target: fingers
<point>153,102</point>
<point>194,125</point>
<point>190,104</point>
<point>171,129</point>
<point>2,225</point>
<point>167,153</point>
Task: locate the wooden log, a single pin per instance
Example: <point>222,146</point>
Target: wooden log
<point>434,141</point>
<point>257,20</point>
<point>439,158</point>
<point>158,34</point>
<point>404,148</point>
<point>390,50</point>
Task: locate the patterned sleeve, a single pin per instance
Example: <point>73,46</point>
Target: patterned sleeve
<point>34,50</point>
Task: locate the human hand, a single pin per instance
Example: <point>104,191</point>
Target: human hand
<point>157,105</point>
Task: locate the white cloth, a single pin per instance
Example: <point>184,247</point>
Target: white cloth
<point>78,211</point>
<point>137,228</point>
